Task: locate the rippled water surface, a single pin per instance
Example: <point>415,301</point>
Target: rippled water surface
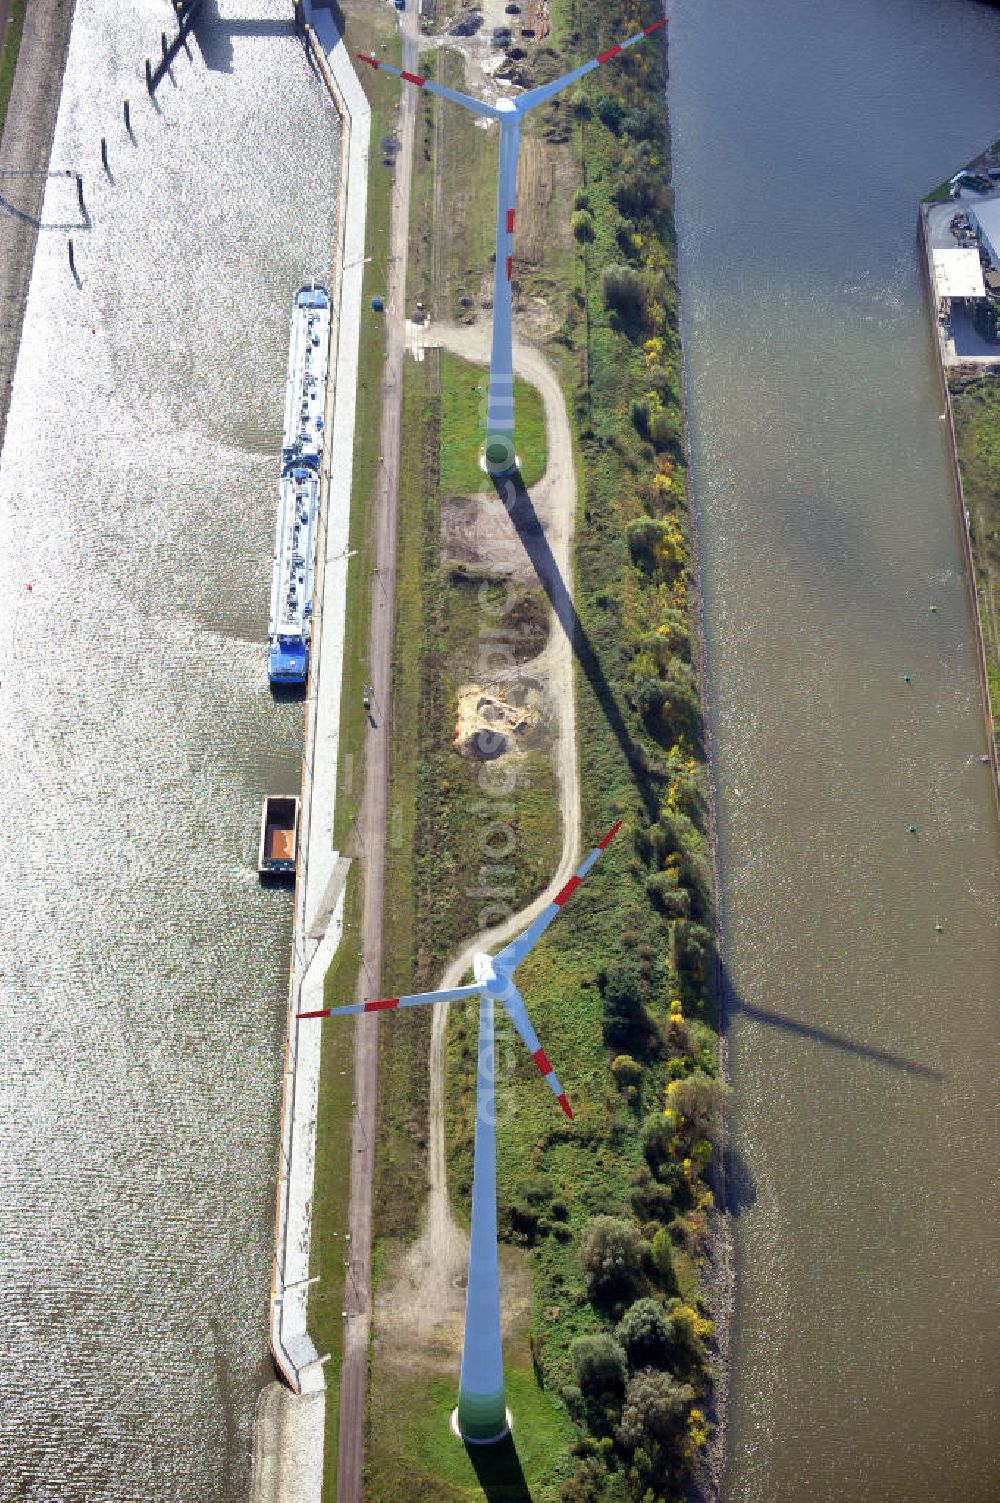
<point>863,1040</point>
<point>143,972</point>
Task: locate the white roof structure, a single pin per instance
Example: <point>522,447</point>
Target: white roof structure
<point>958,273</point>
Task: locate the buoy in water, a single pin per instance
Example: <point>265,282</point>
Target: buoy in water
<point>912,829</point>
<point>939,928</point>
<point>933,608</point>
<point>906,678</point>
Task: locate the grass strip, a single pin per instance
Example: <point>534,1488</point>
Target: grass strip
<point>622,991</point>
<point>976,407</point>
<point>370,32</point>
<point>463,402</point>
<point>9,46</point>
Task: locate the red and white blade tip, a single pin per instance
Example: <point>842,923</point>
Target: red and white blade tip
<point>565,1105</point>
<point>602,845</point>
<point>323,1012</point>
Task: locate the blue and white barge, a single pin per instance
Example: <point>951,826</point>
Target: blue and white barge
<point>298,491</point>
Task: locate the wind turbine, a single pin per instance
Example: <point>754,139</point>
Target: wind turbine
<point>482,1409</point>
<point>500,457</point>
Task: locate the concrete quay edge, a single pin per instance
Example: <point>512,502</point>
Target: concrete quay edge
<point>319,884</point>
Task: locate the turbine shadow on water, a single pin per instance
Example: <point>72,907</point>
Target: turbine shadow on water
<point>733,1003</point>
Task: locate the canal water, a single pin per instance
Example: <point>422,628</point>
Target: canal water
<point>863,1039</point>
<point>143,971</point>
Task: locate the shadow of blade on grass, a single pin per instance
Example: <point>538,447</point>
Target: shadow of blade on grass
<point>498,1469</point>
<point>512,492</point>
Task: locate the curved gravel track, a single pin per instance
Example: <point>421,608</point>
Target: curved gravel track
<point>426,1295</point>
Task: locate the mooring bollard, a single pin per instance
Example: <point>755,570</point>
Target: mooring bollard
<point>104,154</point>
<point>128,117</point>
<point>79,195</point>
<point>149,76</point>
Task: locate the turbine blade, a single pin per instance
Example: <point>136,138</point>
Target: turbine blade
<point>416,999</point>
<point>531,97</point>
<point>518,1014</point>
<point>477,106</point>
<point>514,953</point>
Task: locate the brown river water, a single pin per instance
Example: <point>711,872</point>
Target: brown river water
<point>863,1041</point>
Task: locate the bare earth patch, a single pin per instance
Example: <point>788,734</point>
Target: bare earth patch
<point>477,531</point>
<point>486,726</point>
<point>419,1321</point>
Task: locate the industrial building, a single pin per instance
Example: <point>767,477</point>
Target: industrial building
<point>985,220</point>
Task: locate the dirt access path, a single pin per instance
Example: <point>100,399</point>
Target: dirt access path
<point>425,1301</point>
<point>372,817</point>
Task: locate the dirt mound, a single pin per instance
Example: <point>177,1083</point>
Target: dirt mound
<point>486,727</point>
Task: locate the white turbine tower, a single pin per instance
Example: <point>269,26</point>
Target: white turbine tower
<point>500,456</point>
<point>482,1409</point>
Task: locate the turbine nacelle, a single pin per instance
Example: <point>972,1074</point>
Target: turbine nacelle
<point>500,452</point>
<point>498,983</point>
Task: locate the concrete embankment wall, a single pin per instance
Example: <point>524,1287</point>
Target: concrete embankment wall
<point>970,565</point>
<point>289,1425</point>
<point>320,871</point>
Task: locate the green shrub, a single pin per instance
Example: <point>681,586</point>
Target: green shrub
<point>665,429</point>
<point>657,1135</point>
<point>625,1022</point>
<point>694,947</point>
<point>639,413</point>
<point>613,1255</point>
<point>625,1071</point>
<point>663,1261</point>
<point>587,1485</point>
<point>610,112</point>
<point>655,1409</point>
<point>661,380</point>
<point>600,1366</point>
<point>670,898</point>
<point>624,290</point>
<point>527,1209</point>
<point>646,1334</point>
<point>582,225</point>
<point>640,193</point>
<point>699,1102</point>
<point>628,237</point>
<point>652,1202</point>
